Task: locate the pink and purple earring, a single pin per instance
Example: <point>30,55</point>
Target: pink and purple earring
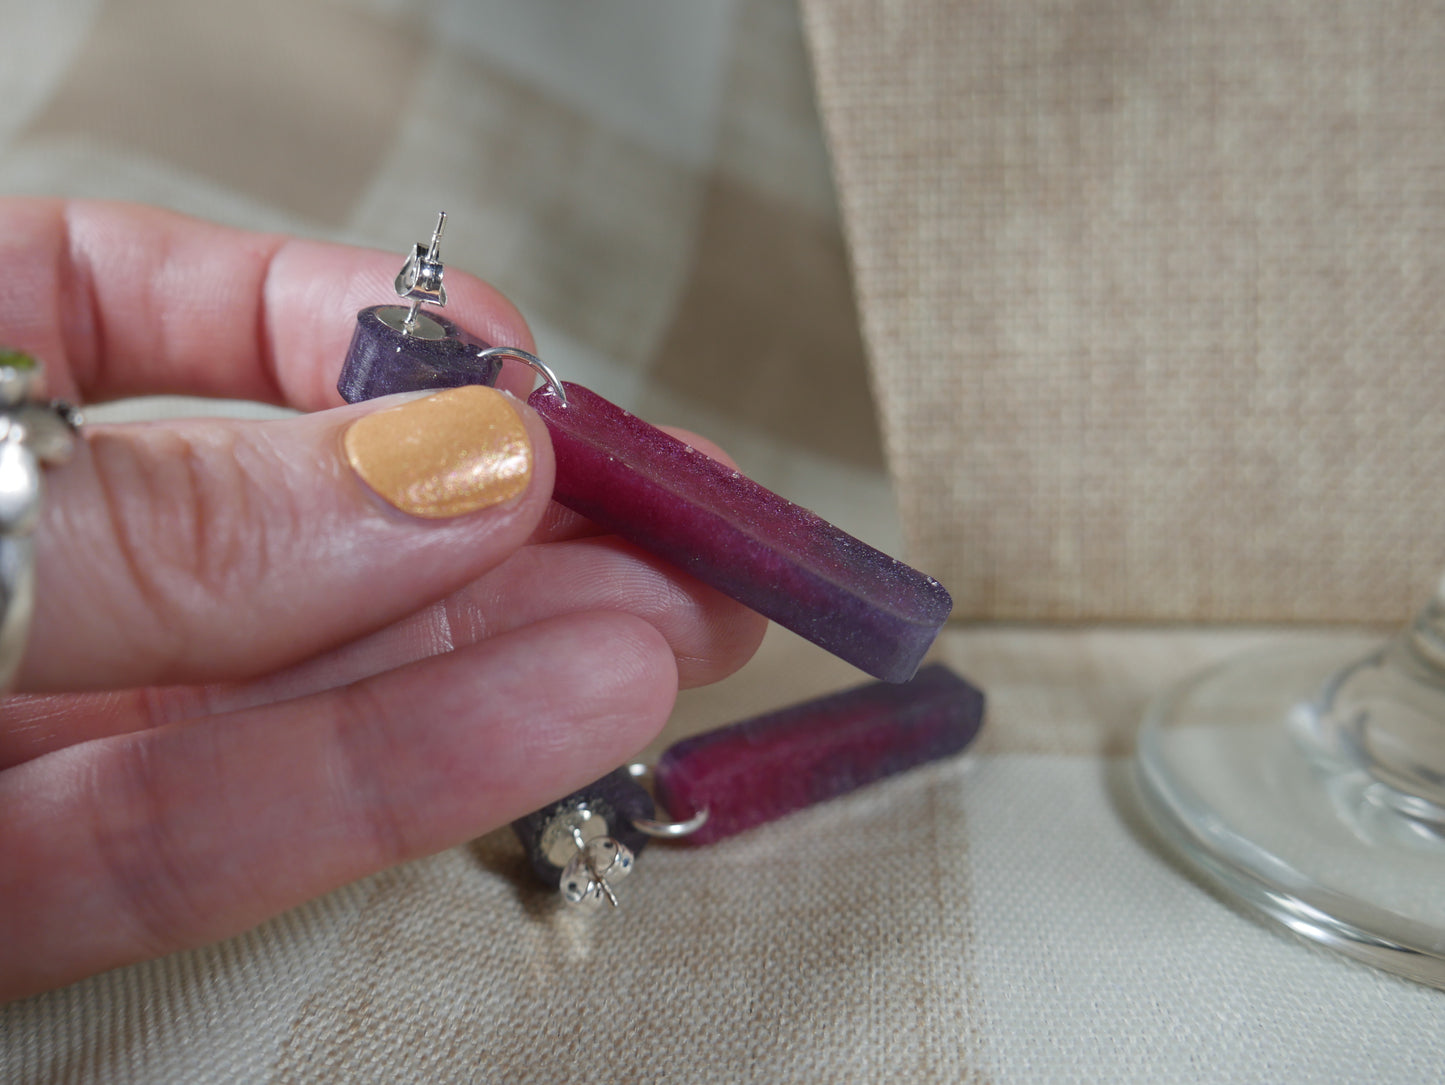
<point>748,774</point>
<point>665,496</point>
<point>781,560</point>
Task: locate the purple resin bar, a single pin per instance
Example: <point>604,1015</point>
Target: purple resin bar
<point>760,769</point>
<point>782,560</point>
<point>383,359</point>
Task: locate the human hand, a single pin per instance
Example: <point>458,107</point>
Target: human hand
<point>250,678</point>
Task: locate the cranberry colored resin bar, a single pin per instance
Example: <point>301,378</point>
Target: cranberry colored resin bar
<point>739,537</point>
<point>758,770</point>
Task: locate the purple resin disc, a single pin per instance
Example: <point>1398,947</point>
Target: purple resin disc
<point>758,770</point>
<point>383,359</point>
<point>739,537</point>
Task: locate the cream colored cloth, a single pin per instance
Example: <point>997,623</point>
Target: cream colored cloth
<point>998,918</point>
<point>1152,293</point>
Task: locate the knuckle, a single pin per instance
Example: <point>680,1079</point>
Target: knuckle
<point>369,761</point>
<point>192,519</point>
<point>154,868</point>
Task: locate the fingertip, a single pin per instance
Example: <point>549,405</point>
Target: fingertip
<point>447,454</point>
<point>456,745</point>
<point>613,680</point>
<point>730,637</point>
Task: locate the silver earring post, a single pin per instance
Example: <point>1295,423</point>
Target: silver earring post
<point>420,279</point>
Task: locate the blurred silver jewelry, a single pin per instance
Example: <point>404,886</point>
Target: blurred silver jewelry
<point>33,433</point>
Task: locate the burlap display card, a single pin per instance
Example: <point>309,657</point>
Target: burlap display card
<point>1153,294</point>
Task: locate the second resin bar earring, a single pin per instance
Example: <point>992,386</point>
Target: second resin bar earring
<point>665,496</point>
<point>748,774</point>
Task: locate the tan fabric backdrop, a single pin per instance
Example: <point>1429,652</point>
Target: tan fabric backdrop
<point>1153,297</point>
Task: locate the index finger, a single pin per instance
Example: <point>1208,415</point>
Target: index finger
<point>121,299</point>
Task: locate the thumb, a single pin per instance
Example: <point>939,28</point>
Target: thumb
<point>199,551</point>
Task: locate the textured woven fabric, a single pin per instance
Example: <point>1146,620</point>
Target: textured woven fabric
<point>1152,292</point>
<point>1001,917</point>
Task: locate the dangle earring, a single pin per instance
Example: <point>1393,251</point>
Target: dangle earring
<point>665,496</point>
<point>747,774</point>
<point>783,561</point>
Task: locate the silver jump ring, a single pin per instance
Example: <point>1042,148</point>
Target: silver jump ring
<point>664,830</point>
<point>668,830</point>
<point>33,434</point>
<point>532,360</point>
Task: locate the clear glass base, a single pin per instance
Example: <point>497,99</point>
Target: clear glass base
<point>1303,782</point>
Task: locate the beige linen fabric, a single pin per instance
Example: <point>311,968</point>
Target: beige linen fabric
<point>997,918</point>
<point>1152,292</point>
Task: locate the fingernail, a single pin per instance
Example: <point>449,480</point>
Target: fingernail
<point>452,453</point>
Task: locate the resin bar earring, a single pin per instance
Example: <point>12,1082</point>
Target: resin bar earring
<point>748,774</point>
<point>749,543</point>
<point>672,500</point>
<point>401,348</point>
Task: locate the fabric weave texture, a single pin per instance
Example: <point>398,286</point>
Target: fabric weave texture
<point>1151,293</point>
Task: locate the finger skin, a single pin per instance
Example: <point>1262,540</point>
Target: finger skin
<point>120,299</point>
<point>710,637</point>
<point>171,835</point>
<point>709,634</point>
<point>220,550</point>
<point>126,848</point>
<point>570,567</point>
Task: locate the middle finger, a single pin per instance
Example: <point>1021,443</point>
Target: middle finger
<point>710,636</point>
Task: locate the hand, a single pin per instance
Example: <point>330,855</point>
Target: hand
<point>251,678</point>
